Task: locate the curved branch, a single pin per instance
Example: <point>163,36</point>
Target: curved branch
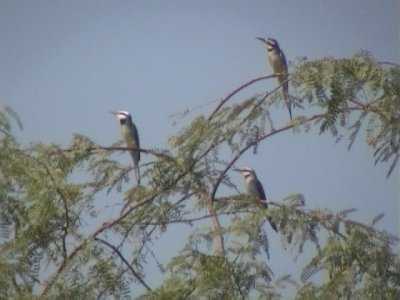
<point>102,228</point>
<point>259,139</point>
<point>64,200</point>
<point>62,266</point>
<point>349,222</point>
<point>117,148</point>
<point>301,212</point>
<point>256,141</point>
<point>106,226</point>
<point>235,91</point>
<point>201,218</point>
<point>389,63</point>
<point>135,274</point>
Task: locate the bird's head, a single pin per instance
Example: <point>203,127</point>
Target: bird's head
<point>121,115</point>
<point>270,42</point>
<point>246,172</point>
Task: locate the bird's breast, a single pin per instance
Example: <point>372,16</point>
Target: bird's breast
<point>252,188</point>
<point>127,135</point>
<point>276,63</point>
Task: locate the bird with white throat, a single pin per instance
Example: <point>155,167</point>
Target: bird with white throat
<point>279,67</point>
<point>130,135</point>
<point>255,189</point>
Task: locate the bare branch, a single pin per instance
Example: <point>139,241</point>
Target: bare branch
<point>134,273</point>
<point>115,148</point>
<point>235,91</point>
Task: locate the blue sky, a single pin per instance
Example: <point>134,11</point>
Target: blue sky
<point>65,64</point>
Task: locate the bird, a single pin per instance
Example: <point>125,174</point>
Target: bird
<point>279,66</point>
<point>130,135</point>
<point>255,189</point>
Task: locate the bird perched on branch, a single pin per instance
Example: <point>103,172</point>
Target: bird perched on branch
<point>279,66</point>
<point>130,135</point>
<point>255,189</point>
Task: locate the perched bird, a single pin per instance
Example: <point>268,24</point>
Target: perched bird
<point>255,189</point>
<point>279,66</point>
<point>130,135</point>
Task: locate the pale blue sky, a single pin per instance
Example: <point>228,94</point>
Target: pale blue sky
<point>65,64</point>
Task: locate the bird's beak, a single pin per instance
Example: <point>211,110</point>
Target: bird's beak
<point>237,170</point>
<point>261,39</point>
<point>112,112</point>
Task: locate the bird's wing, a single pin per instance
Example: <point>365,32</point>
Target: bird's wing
<point>285,85</point>
<point>136,154</point>
<point>285,72</point>
<point>283,58</point>
<point>136,137</point>
<point>261,190</point>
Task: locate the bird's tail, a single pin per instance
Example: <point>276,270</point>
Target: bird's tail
<point>137,173</point>
<point>136,166</point>
<point>272,223</point>
<point>285,90</point>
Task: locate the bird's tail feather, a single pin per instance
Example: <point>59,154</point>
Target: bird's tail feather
<point>285,90</point>
<point>273,225</point>
<point>137,173</point>
<point>289,106</point>
<point>136,166</point>
<point>288,102</point>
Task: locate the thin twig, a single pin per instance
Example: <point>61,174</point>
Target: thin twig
<point>191,220</point>
<point>235,91</point>
<point>389,63</point>
<point>117,148</point>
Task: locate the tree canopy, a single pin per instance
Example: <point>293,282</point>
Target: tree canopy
<point>53,243</point>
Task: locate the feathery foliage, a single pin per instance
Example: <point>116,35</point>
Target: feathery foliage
<point>73,226</point>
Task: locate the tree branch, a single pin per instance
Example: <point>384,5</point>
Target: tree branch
<point>106,226</point>
<point>256,141</point>
<point>134,273</point>
<point>116,148</point>
<point>64,200</point>
<point>204,217</point>
<point>235,91</point>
